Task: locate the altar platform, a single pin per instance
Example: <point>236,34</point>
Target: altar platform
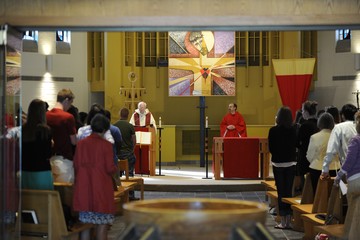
<point>192,178</point>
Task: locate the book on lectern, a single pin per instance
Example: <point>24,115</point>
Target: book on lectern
<point>29,216</point>
<point>143,137</point>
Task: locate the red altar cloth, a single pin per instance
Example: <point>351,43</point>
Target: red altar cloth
<point>142,165</point>
<point>241,157</point>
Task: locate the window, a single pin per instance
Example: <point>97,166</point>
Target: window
<point>343,34</point>
<point>31,35</point>
<point>343,43</point>
<point>63,39</point>
<point>253,48</point>
<point>63,36</point>
<point>151,48</point>
<point>30,41</point>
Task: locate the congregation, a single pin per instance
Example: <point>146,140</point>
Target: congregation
<point>317,146</point>
<point>63,145</point>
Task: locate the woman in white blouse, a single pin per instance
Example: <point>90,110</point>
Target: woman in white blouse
<point>317,149</point>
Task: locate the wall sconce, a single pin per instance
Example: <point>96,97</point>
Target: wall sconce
<point>48,63</point>
<point>355,41</point>
<point>357,61</point>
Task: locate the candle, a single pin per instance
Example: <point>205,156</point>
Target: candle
<point>207,122</point>
<point>159,122</point>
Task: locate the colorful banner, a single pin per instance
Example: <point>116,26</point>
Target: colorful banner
<point>202,63</point>
<point>294,79</point>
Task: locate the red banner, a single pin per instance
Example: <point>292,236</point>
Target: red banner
<point>294,79</point>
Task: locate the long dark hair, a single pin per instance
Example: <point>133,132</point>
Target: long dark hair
<point>284,117</point>
<point>36,122</point>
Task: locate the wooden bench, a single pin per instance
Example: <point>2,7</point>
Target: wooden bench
<point>269,185</point>
<point>121,196</point>
<point>123,165</point>
<point>49,213</point>
<point>307,195</point>
<point>320,204</point>
<point>273,203</point>
<point>334,214</point>
<point>334,231</point>
<point>270,197</point>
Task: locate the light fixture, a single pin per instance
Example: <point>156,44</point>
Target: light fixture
<point>48,63</point>
<point>357,61</point>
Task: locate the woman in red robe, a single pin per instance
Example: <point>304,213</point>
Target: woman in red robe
<point>233,123</point>
<point>94,167</point>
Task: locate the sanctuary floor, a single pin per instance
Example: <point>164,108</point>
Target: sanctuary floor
<point>187,182</point>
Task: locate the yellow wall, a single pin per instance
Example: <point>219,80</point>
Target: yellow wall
<point>257,95</point>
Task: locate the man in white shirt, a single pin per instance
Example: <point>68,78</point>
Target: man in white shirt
<point>340,137</point>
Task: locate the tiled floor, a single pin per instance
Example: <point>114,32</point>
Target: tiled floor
<point>191,177</point>
<point>259,196</point>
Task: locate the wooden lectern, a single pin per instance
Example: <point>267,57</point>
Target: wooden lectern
<point>145,150</point>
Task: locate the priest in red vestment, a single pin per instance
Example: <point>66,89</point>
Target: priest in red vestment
<point>142,117</point>
<point>233,123</point>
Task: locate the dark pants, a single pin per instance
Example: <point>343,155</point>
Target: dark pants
<point>284,179</point>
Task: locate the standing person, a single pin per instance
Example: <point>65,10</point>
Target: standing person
<point>142,117</point>
<point>306,129</point>
<point>116,134</point>
<point>351,168</point>
<point>233,123</point>
<point>317,149</point>
<point>126,150</point>
<point>75,112</point>
<point>63,130</point>
<point>340,137</point>
<point>282,146</point>
<point>93,190</point>
<point>36,149</point>
<point>334,111</point>
<point>86,130</point>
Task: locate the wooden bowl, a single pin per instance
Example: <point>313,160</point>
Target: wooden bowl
<point>194,218</point>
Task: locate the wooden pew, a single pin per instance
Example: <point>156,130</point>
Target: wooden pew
<point>273,203</point>
<point>333,215</point>
<point>123,165</point>
<point>271,194</point>
<point>320,203</point>
<point>334,231</point>
<point>121,196</point>
<point>307,195</point>
<point>49,213</point>
<point>269,185</point>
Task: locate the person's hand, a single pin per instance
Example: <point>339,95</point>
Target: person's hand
<point>231,127</point>
<point>324,175</point>
<point>337,180</point>
<point>339,176</point>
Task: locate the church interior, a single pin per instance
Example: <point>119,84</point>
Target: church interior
<point>120,53</point>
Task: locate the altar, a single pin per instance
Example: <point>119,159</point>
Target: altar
<point>245,158</point>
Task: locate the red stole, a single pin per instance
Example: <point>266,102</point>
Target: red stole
<point>137,119</point>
